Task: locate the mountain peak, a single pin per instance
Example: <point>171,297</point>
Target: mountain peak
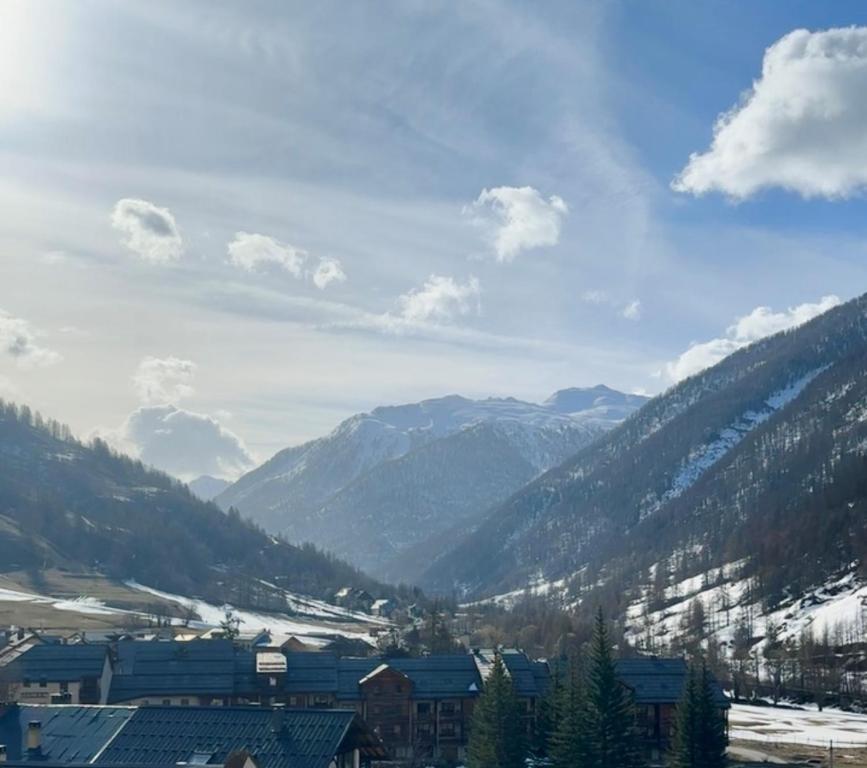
<point>575,399</point>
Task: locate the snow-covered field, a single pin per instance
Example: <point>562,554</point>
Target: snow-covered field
<point>312,631</point>
<point>805,726</point>
<point>315,623</point>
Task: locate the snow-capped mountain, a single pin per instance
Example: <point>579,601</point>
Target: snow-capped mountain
<point>386,482</point>
<point>759,461</point>
<point>206,487</point>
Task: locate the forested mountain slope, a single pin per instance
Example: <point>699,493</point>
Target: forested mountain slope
<point>387,484</point>
<point>84,507</point>
<point>762,458</point>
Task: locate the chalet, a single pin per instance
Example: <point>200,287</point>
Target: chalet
<point>164,737</point>
<point>58,673</point>
<point>354,599</point>
<point>657,685</point>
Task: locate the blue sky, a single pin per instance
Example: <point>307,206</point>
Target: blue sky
<point>226,227</point>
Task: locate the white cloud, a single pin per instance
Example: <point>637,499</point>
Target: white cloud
<point>632,311</point>
<point>440,299</point>
<point>252,251</point>
<point>18,340</point>
<point>329,271</point>
<point>150,231</point>
<point>761,322</point>
<point>595,297</point>
<point>518,219</point>
<point>181,442</point>
<point>163,380</point>
<point>800,127</point>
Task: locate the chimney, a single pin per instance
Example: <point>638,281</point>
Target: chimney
<point>2,753</point>
<point>34,737</point>
<point>278,718</point>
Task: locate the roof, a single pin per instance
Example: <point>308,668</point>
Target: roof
<point>165,736</point>
<point>59,663</point>
<point>659,681</point>
<point>196,667</point>
<point>310,672</point>
<point>70,733</point>
<point>529,678</point>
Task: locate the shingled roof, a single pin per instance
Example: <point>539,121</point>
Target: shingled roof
<point>166,736</point>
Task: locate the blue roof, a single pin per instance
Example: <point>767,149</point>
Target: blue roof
<point>452,676</point>
<point>521,672</point>
<point>59,663</point>
<point>165,736</point>
<point>69,734</point>
<point>659,681</point>
<point>197,667</point>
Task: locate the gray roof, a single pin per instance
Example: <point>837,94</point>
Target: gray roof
<point>165,736</point>
<point>659,681</point>
<point>57,662</point>
<point>196,667</point>
<point>69,734</point>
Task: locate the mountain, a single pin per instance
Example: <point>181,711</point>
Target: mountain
<point>384,487</point>
<point>755,469</point>
<point>83,507</point>
<point>207,487</point>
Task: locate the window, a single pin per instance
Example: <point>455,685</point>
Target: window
<point>293,701</point>
<point>272,681</point>
<point>447,730</point>
<point>64,687</point>
<point>43,683</point>
<point>26,683</point>
<point>447,708</point>
<point>185,702</point>
<point>166,702</point>
<point>423,708</point>
<point>320,701</point>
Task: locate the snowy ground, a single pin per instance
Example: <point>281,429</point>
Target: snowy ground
<point>835,606</point>
<point>315,622</point>
<point>312,630</point>
<point>805,726</point>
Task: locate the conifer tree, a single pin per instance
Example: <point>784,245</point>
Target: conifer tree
<point>498,736</point>
<point>569,743</point>
<point>611,736</point>
<point>699,737</point>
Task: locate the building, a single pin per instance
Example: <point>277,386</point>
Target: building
<point>58,673</point>
<point>657,686</point>
<point>164,737</point>
<point>419,707</point>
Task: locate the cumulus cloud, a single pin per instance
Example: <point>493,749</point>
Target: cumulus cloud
<point>163,380</point>
<point>182,443</point>
<point>19,341</point>
<point>761,322</point>
<point>632,311</point>
<point>251,251</point>
<point>440,299</point>
<point>517,219</point>
<point>329,271</point>
<point>149,231</point>
<point>800,127</point>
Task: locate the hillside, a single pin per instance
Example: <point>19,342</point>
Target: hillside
<point>759,462</point>
<point>383,487</point>
<point>83,507</point>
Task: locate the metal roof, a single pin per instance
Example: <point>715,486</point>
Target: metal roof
<point>165,736</point>
<point>69,733</point>
<point>197,667</point>
<point>659,681</point>
<point>59,663</point>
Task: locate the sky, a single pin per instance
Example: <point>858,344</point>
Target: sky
<point>224,227</point>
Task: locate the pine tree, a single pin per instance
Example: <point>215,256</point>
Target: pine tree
<point>568,743</point>
<point>498,736</point>
<point>611,736</point>
<point>699,737</point>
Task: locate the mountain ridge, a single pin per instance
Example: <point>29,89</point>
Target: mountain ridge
<point>384,482</point>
